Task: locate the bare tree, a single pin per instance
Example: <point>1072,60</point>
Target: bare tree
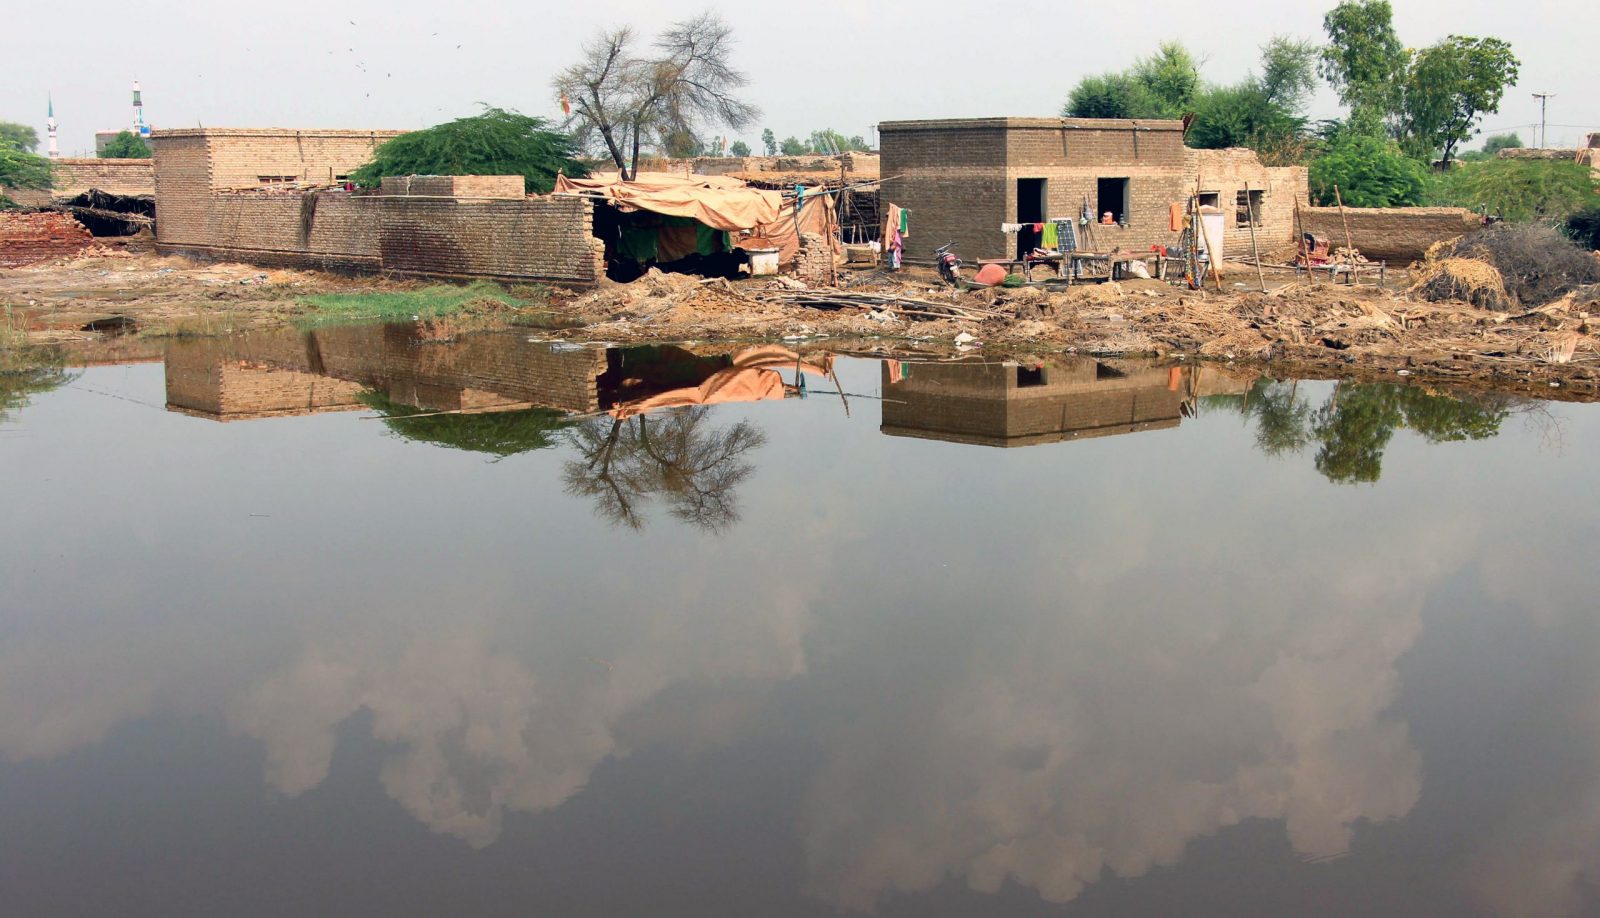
<point>621,100</point>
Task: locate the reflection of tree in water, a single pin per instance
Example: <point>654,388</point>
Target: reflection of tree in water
<point>675,456</point>
<point>1354,426</point>
<point>498,433</point>
<point>29,371</point>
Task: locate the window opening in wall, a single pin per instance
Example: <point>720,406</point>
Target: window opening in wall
<point>1248,208</point>
<point>1209,198</point>
<point>1030,376</point>
<point>1113,200</point>
<point>1031,209</point>
<point>276,179</point>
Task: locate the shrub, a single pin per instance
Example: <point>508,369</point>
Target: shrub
<point>1519,190</point>
<point>494,143</point>
<point>1369,172</point>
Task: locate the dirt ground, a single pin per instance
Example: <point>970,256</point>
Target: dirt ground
<point>1299,327</point>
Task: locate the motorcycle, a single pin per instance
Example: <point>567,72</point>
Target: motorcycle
<point>949,264</point>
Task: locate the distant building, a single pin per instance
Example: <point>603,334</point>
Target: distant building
<point>963,179</point>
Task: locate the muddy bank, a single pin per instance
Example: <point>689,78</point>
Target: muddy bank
<point>1303,328</point>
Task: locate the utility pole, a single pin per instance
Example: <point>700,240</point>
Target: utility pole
<point>1544,132</point>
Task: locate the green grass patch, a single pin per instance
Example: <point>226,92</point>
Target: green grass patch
<point>422,303</point>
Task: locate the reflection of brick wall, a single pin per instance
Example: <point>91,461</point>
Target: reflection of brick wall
<point>984,403</point>
<point>28,238</point>
<point>1398,235</point>
<point>229,380</point>
<point>289,372</point>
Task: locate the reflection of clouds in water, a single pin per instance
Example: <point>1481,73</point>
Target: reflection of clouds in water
<point>1134,714</point>
<point>1543,856</point>
<point>478,732</point>
<point>53,701</point>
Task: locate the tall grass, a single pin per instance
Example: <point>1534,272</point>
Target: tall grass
<point>423,303</point>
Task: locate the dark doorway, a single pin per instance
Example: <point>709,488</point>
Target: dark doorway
<point>1113,200</point>
<point>1031,210</point>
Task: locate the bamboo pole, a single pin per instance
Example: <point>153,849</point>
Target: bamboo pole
<point>1255,249</point>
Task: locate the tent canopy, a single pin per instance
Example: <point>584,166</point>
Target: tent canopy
<point>717,201</point>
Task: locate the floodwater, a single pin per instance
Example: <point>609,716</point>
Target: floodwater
<point>355,623</point>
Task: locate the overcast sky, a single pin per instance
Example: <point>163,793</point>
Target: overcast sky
<point>845,64</point>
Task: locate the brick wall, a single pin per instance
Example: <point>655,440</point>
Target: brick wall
<point>545,239</point>
<point>26,238</point>
<point>984,403</point>
<point>1225,173</point>
<point>508,187</point>
<point>325,370</point>
<point>1398,235</point>
<point>814,264</point>
<point>212,205</point>
<point>959,178</point>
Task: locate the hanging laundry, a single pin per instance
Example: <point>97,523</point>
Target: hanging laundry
<point>1052,236</point>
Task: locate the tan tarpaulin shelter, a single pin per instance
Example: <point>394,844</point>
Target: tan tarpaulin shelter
<point>817,215</point>
<point>752,378</point>
<point>717,201</point>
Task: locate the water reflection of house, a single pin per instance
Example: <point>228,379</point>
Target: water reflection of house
<point>339,369</point>
<point>1011,403</point>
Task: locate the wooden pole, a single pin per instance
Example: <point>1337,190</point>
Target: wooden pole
<point>1255,249</point>
<point>1337,197</point>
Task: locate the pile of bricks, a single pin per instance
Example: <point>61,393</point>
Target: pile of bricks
<point>26,238</point>
<point>814,265</point>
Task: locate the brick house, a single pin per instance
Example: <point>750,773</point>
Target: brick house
<point>270,197</point>
<point>962,179</point>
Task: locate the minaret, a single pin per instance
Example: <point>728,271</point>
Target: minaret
<point>140,129</point>
<point>50,128</point>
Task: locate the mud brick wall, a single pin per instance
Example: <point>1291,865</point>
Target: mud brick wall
<point>1225,174</point>
<point>191,164</point>
<point>26,238</point>
<point>951,176</point>
<point>1398,235</point>
<point>272,229</point>
<point>543,239</point>
<point>509,187</point>
<point>960,177</point>
<point>71,177</point>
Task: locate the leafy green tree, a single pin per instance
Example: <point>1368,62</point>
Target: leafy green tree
<point>769,142</point>
<point>1364,60</point>
<point>20,136</point>
<point>23,170</point>
<point>496,142</point>
<point>1368,172</point>
<point>1288,72</point>
<point>829,140</point>
<point>1111,95</point>
<point>793,146</point>
<point>126,145</point>
<point>1448,87</point>
<point>1494,143</point>
<point>739,148</point>
<point>1519,190</point>
<point>496,433</point>
<point>29,371</point>
<point>1163,85</point>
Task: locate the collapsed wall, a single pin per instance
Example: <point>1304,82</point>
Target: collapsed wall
<point>71,177</point>
<point>26,238</point>
<point>1398,235</point>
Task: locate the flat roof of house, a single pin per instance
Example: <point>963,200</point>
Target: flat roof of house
<point>270,132</point>
<point>1053,124</point>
